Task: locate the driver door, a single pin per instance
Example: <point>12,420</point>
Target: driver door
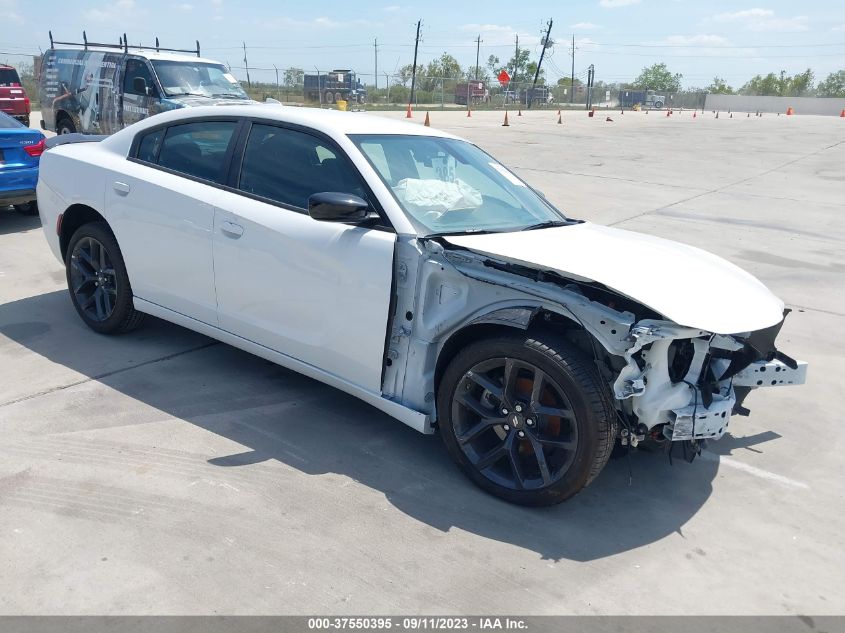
<point>316,291</point>
<point>135,103</point>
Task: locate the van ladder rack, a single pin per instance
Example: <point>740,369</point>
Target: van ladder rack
<point>122,45</point>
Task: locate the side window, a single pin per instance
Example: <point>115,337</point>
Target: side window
<point>196,149</point>
<point>138,68</point>
<point>148,147</point>
<point>289,166</point>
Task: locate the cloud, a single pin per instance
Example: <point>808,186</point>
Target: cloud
<point>746,14</point>
<point>10,12</point>
<point>615,4</point>
<point>585,26</point>
<point>185,7</point>
<point>763,20</point>
<point>114,12</point>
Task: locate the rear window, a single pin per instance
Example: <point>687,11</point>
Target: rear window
<point>9,77</point>
<point>195,149</point>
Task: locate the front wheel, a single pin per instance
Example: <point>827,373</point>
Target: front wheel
<point>98,282</point>
<point>65,126</point>
<point>526,418</point>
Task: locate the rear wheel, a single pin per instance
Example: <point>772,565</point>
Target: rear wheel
<point>65,126</point>
<point>526,418</point>
<point>30,208</point>
<point>98,282</point>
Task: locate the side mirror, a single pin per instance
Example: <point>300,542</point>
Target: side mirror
<point>139,86</point>
<point>332,206</point>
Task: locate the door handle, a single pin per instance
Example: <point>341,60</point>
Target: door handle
<point>121,187</point>
<point>231,229</point>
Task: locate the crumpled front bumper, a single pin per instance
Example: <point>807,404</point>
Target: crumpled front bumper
<point>717,375</point>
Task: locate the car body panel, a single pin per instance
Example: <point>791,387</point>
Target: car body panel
<point>685,284</point>
<point>318,291</point>
<point>18,169</point>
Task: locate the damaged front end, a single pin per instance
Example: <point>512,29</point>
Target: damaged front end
<point>669,382</point>
<point>684,384</point>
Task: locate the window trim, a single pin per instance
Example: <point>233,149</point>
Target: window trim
<point>234,157</point>
<point>227,157</point>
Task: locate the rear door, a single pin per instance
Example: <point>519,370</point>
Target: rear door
<point>161,202</point>
<point>316,291</point>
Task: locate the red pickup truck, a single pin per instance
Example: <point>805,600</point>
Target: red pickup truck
<point>13,99</point>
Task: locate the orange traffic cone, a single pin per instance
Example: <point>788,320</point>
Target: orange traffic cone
<point>591,113</point>
<point>469,112</point>
<point>519,113</point>
<point>668,113</point>
<point>558,111</point>
<point>622,111</point>
<point>842,114</point>
<point>731,116</point>
<point>694,114</point>
<point>717,115</point>
<point>559,120</point>
<point>408,114</point>
<point>427,123</point>
<point>506,124</point>
<point>790,111</point>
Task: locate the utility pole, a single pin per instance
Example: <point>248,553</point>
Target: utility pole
<point>572,79</point>
<point>591,74</point>
<point>414,71</point>
<point>246,65</point>
<point>477,52</point>
<point>546,43</point>
<point>375,46</point>
<point>278,92</point>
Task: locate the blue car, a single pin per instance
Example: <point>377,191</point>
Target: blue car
<point>20,151</point>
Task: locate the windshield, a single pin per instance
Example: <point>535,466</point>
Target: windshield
<point>197,78</point>
<point>451,187</point>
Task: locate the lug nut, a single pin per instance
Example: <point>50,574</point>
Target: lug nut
<point>506,427</point>
<point>529,422</point>
<point>518,408</point>
<point>504,411</point>
<point>521,434</point>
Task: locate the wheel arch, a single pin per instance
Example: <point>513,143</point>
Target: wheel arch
<point>73,217</point>
<point>499,322</point>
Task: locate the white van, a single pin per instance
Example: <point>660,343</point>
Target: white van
<point>94,89</point>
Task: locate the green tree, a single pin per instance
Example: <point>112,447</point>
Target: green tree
<point>781,85</point>
<point>494,65</point>
<point>833,86</point>
<point>517,67</point>
<point>719,87</point>
<point>658,77</point>
<point>443,68</point>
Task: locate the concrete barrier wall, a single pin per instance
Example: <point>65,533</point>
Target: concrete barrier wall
<point>801,105</point>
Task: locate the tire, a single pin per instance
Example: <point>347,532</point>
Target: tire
<point>97,281</point>
<point>658,104</point>
<point>493,428</point>
<point>65,126</point>
<point>329,97</point>
<point>29,208</point>
<point>26,121</point>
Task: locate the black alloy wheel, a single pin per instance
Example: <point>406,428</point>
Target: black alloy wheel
<point>526,418</point>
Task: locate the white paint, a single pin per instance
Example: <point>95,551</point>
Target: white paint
<point>685,284</point>
<point>753,470</point>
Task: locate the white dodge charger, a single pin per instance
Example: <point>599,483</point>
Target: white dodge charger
<point>411,269</point>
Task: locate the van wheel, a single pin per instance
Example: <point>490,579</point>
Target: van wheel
<point>65,126</point>
<point>526,418</point>
<point>98,282</point>
<point>30,208</point>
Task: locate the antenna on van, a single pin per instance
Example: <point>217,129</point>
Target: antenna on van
<point>156,44</point>
<point>125,44</point>
<point>51,39</point>
<point>85,40</point>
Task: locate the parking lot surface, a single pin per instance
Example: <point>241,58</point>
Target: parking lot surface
<point>162,472</point>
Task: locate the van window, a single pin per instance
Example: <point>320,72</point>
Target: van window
<point>138,68</point>
<point>197,149</point>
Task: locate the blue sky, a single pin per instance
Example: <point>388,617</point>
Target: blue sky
<point>734,40</point>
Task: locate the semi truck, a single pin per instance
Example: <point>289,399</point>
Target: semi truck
<point>337,85</point>
<point>476,91</point>
<point>645,98</point>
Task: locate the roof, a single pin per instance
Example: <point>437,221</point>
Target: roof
<point>146,53</point>
<point>331,122</point>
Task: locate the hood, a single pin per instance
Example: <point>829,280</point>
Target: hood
<point>685,284</point>
<point>193,101</point>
